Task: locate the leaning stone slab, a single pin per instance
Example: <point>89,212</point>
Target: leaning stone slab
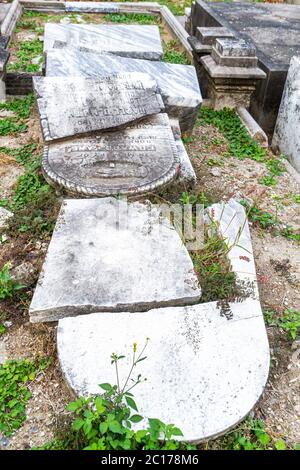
<point>204,372</point>
<point>137,41</point>
<point>71,106</point>
<point>135,160</point>
<point>107,255</point>
<point>286,137</point>
<point>177,83</point>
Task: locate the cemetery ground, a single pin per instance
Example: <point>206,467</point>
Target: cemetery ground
<point>228,164</point>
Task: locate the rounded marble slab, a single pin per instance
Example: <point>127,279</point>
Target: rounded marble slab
<point>134,160</point>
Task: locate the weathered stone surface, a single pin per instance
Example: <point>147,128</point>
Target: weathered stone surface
<point>5,215</point>
<point>274,28</point>
<point>204,372</point>
<point>187,175</point>
<point>177,83</point>
<point>91,7</point>
<point>70,106</point>
<point>4,56</point>
<point>228,47</point>
<point>287,130</point>
<point>134,160</point>
<point>235,61</point>
<point>107,255</point>
<point>137,41</point>
<point>208,35</point>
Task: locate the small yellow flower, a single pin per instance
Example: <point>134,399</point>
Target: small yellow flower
<point>134,347</point>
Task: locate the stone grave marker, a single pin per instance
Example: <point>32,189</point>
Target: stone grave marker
<point>177,83</point>
<point>138,41</point>
<point>110,255</point>
<point>70,106</point>
<point>134,160</point>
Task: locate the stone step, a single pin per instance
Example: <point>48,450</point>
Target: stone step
<point>107,255</point>
<point>71,106</point>
<point>137,41</point>
<point>178,83</point>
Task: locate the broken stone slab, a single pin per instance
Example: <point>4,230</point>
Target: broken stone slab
<point>187,175</point>
<point>286,137</point>
<point>177,83</point>
<point>252,127</point>
<point>135,160</point>
<point>204,372</point>
<point>137,41</point>
<point>69,106</point>
<point>5,215</point>
<point>110,255</point>
<point>208,35</point>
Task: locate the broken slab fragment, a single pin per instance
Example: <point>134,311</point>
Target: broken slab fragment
<point>137,41</point>
<point>71,106</point>
<point>177,83</point>
<point>204,372</point>
<point>134,160</point>
<point>286,137</point>
<point>110,255</point>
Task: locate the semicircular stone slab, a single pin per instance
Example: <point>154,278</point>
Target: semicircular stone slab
<point>134,160</point>
<point>204,372</point>
<point>70,106</point>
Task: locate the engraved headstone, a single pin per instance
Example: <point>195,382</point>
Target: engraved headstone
<point>137,159</point>
<point>110,255</point>
<point>70,106</point>
<point>138,41</point>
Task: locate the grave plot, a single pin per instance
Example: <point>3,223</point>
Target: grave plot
<point>106,255</point>
<point>136,160</point>
<point>69,106</point>
<point>137,41</point>
<point>177,83</point>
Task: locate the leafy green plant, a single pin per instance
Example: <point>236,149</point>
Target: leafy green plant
<point>2,329</point>
<point>262,218</point>
<point>173,54</point>
<point>21,107</point>
<point>105,421</point>
<point>14,393</point>
<point>27,51</point>
<point>8,286</point>
<point>251,435</point>
<point>289,321</point>
<point>135,18</point>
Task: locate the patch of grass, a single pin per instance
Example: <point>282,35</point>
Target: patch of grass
<point>289,321</point>
<point>2,329</point>
<point>26,52</point>
<point>297,198</point>
<point>173,54</point>
<point>251,435</point>
<point>266,220</point>
<point>132,18</point>
<point>34,203</point>
<point>14,393</point>
<point>21,107</point>
<point>8,286</point>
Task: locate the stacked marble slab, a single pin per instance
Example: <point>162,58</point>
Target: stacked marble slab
<point>96,50</point>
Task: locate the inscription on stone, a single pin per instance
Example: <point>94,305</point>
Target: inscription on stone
<point>70,106</point>
<point>134,160</point>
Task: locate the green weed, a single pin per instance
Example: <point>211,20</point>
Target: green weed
<point>21,107</point>
<point>26,51</point>
<point>8,286</point>
<point>14,392</point>
<point>172,53</point>
<point>132,18</point>
<point>289,321</point>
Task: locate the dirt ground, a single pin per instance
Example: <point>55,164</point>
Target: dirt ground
<point>278,269</point>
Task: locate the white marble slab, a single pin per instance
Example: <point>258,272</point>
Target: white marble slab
<point>106,255</point>
<point>178,83</point>
<point>70,106</point>
<point>137,41</point>
<point>91,7</point>
<point>287,130</point>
